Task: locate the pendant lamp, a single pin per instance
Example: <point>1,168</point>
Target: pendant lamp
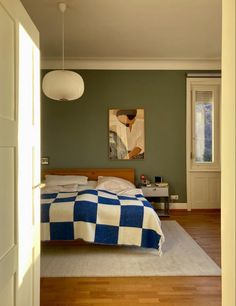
<point>63,85</point>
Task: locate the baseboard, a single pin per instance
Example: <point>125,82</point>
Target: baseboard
<point>184,206</point>
<point>178,206</point>
<point>206,210</point>
<point>174,205</point>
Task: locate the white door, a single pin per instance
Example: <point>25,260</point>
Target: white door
<point>203,143</point>
<point>19,157</point>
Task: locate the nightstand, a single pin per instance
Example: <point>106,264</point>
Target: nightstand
<point>153,193</point>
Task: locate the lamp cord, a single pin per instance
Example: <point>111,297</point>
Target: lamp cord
<point>63,41</point>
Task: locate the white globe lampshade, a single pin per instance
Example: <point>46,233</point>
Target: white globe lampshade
<point>63,85</point>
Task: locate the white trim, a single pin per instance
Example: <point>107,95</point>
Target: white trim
<point>204,75</point>
<point>178,206</point>
<point>188,139</point>
<point>174,205</point>
<point>189,169</point>
<point>132,64</point>
<point>203,170</point>
<point>228,149</point>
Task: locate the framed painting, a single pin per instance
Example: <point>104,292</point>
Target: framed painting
<point>126,134</point>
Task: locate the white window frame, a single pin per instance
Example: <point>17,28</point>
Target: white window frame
<point>211,84</point>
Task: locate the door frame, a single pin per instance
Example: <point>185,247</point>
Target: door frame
<point>189,82</point>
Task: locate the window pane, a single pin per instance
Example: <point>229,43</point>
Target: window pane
<point>204,127</point>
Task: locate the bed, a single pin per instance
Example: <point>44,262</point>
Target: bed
<point>99,215</point>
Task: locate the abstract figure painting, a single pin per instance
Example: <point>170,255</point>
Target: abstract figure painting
<point>126,134</point>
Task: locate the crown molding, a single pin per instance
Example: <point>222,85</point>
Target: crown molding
<point>132,64</point>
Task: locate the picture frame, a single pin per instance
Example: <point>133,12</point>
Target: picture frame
<point>126,134</point>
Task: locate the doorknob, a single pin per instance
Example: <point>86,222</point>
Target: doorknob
<point>41,185</point>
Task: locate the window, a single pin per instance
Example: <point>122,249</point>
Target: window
<point>204,127</point>
<point>205,122</point>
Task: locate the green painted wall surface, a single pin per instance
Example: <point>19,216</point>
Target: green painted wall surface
<point>75,134</point>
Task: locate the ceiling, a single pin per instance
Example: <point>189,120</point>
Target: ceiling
<point>130,29</point>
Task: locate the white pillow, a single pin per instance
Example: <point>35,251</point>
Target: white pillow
<point>114,184</point>
<point>61,188</point>
<point>69,188</point>
<point>62,180</point>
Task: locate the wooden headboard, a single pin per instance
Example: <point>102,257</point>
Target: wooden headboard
<point>92,174</point>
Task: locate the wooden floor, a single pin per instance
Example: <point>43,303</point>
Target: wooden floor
<point>204,227</point>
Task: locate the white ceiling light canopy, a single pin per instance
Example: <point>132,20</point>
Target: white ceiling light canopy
<point>63,85</point>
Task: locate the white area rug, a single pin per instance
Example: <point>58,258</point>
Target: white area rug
<point>181,256</point>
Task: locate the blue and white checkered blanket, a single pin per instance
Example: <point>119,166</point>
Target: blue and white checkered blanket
<point>100,216</point>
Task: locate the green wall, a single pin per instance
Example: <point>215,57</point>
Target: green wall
<point>75,134</point>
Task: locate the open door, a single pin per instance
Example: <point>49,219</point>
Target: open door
<point>19,157</point>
